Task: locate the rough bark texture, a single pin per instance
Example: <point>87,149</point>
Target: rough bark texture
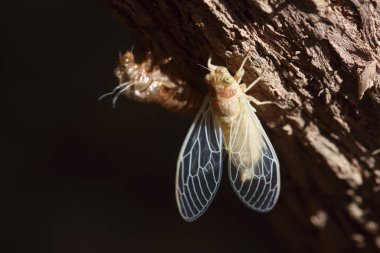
<point>320,59</point>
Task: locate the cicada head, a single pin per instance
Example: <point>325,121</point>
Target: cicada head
<point>127,58</point>
<point>218,76</point>
<point>123,69</point>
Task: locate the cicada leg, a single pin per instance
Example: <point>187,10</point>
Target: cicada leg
<point>257,102</point>
<point>245,89</point>
<point>240,72</point>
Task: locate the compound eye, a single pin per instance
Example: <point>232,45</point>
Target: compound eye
<point>228,79</point>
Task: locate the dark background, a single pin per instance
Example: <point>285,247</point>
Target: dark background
<point>78,176</point>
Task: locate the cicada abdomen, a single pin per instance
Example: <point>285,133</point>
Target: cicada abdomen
<point>145,82</point>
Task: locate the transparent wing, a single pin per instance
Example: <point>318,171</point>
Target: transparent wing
<point>253,166</point>
<point>199,166</point>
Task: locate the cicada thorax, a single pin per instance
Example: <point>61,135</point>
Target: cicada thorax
<point>225,105</point>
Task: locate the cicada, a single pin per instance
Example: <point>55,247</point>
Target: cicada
<point>226,123</point>
<point>145,82</point>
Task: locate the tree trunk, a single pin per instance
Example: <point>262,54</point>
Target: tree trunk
<point>319,59</point>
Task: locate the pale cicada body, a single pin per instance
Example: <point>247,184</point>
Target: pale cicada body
<point>145,82</point>
<point>226,121</point>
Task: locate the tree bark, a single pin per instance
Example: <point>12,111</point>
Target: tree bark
<point>319,59</point>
